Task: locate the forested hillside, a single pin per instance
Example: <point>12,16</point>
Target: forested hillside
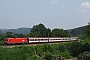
<point>77,31</point>
<point>16,31</point>
<point>19,30</point>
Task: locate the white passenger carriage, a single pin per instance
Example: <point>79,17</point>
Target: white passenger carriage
<point>51,39</point>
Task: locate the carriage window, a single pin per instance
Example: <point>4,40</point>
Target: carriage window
<point>31,40</point>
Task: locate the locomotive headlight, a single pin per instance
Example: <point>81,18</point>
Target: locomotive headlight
<point>23,40</point>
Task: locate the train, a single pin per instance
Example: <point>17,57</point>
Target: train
<point>35,40</point>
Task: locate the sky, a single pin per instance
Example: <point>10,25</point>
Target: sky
<point>63,14</point>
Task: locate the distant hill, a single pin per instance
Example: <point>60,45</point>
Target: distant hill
<point>76,31</point>
<point>17,31</point>
<point>0,32</point>
<point>3,30</point>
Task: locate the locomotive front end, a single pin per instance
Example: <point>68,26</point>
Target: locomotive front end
<point>6,41</point>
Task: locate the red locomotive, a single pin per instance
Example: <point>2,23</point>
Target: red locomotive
<point>16,40</point>
<point>39,40</point>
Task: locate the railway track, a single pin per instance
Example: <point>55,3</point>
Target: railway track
<point>11,46</point>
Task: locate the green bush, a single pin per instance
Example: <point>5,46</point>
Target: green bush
<point>48,56</point>
<point>66,54</point>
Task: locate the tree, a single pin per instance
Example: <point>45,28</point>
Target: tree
<point>2,38</point>
<point>59,33</point>
<point>39,31</point>
<point>75,48</point>
<point>20,35</point>
<point>10,34</point>
<point>87,31</point>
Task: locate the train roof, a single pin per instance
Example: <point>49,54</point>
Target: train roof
<point>16,38</point>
